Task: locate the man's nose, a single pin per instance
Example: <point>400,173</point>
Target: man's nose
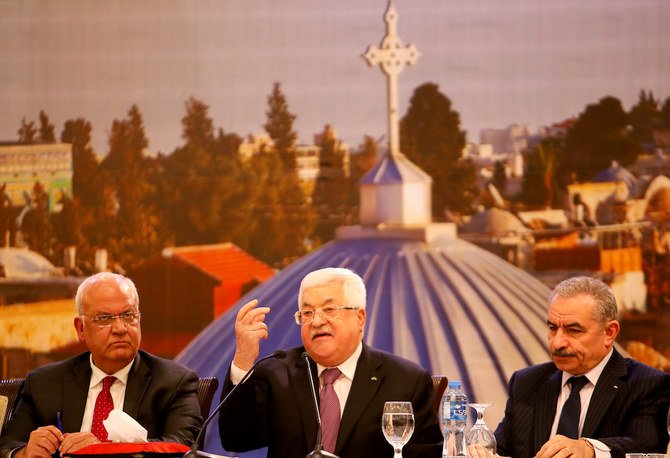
<point>318,319</point>
<point>560,339</point>
<point>118,326</point>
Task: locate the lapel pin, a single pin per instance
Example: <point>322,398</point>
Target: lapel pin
<point>373,378</point>
<point>615,386</point>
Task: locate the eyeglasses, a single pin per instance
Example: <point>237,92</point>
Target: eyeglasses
<point>106,320</point>
<point>306,316</point>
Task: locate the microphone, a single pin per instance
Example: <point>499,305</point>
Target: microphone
<point>194,452</point>
<point>318,451</point>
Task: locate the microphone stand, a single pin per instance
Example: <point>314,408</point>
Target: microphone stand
<point>194,452</point>
<point>318,451</point>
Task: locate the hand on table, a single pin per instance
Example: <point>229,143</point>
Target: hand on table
<point>561,447</point>
<point>74,441</point>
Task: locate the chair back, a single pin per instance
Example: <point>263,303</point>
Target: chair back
<point>440,383</point>
<point>11,389</point>
<point>206,388</point>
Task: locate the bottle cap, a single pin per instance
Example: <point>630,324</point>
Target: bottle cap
<point>455,384</point>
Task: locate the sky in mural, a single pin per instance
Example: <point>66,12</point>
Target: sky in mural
<point>518,61</point>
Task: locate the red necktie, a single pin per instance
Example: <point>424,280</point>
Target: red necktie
<point>103,405</point>
<point>329,409</point>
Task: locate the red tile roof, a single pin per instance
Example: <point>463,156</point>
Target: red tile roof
<point>226,261</point>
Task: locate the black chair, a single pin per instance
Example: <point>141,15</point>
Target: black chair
<point>440,383</point>
<point>206,388</point>
<point>12,389</point>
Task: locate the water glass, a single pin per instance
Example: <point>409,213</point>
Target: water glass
<point>398,424</point>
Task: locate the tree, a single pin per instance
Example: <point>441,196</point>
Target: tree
<point>84,161</point>
<point>361,161</point>
<point>35,227</point>
<point>27,132</point>
<point>644,115</point>
<point>431,137</point>
<point>205,186</point>
<point>47,129</point>
<point>331,192</point>
<point>499,179</point>
<point>599,136</point>
<point>129,222</point>
<point>283,220</point>
<point>539,185</point>
<point>279,126</point>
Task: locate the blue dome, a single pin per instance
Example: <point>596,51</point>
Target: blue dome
<point>446,304</point>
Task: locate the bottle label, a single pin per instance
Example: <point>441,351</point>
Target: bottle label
<point>457,410</point>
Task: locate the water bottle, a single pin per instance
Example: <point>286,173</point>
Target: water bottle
<point>454,417</point>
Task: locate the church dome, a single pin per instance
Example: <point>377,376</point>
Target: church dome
<point>446,304</point>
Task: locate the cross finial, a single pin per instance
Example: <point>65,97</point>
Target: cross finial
<point>392,56</point>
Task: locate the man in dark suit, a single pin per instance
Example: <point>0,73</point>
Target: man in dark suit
<point>622,404</point>
<point>57,410</point>
<point>274,408</point>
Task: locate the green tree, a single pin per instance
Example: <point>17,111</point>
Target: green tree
<point>599,136</point>
<point>84,161</point>
<point>283,219</point>
<point>539,185</point>
<point>132,230</point>
<point>361,161</point>
<point>36,227</point>
<point>47,129</point>
<point>430,135</point>
<point>643,116</point>
<point>279,126</point>
<point>331,191</point>
<point>499,178</point>
<point>205,186</point>
<point>665,111</point>
<point>27,132</point>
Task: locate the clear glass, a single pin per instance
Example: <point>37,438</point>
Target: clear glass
<point>480,434</point>
<point>398,424</point>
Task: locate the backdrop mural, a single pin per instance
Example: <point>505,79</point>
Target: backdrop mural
<point>209,148</point>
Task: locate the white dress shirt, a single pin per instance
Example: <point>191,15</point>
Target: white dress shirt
<point>117,390</point>
<point>601,450</point>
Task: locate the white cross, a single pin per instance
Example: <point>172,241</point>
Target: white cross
<point>392,56</point>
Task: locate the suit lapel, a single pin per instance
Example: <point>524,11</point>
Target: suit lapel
<point>303,398</point>
<point>75,394</point>
<point>547,397</point>
<point>138,380</point>
<point>605,391</point>
<point>368,378</point>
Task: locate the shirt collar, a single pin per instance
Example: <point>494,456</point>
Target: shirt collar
<point>594,374</point>
<point>98,374</point>
<point>348,367</point>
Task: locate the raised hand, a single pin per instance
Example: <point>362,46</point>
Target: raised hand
<point>249,330</point>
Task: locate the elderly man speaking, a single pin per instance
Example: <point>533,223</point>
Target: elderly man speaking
<point>274,407</point>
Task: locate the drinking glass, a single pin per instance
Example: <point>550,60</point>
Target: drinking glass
<point>480,434</point>
<point>398,424</point>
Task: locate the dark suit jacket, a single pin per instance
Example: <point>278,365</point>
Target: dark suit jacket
<point>628,409</point>
<point>274,408</point>
<point>160,394</point>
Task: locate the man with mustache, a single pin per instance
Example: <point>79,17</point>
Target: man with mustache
<point>62,405</point>
<point>590,401</point>
<point>274,407</point>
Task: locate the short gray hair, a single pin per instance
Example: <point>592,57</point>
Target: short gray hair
<point>352,284</point>
<point>606,307</point>
<point>126,285</point>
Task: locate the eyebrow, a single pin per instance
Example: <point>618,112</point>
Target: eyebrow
<point>574,324</point>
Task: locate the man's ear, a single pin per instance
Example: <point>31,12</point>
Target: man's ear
<point>611,331</point>
<point>79,327</point>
